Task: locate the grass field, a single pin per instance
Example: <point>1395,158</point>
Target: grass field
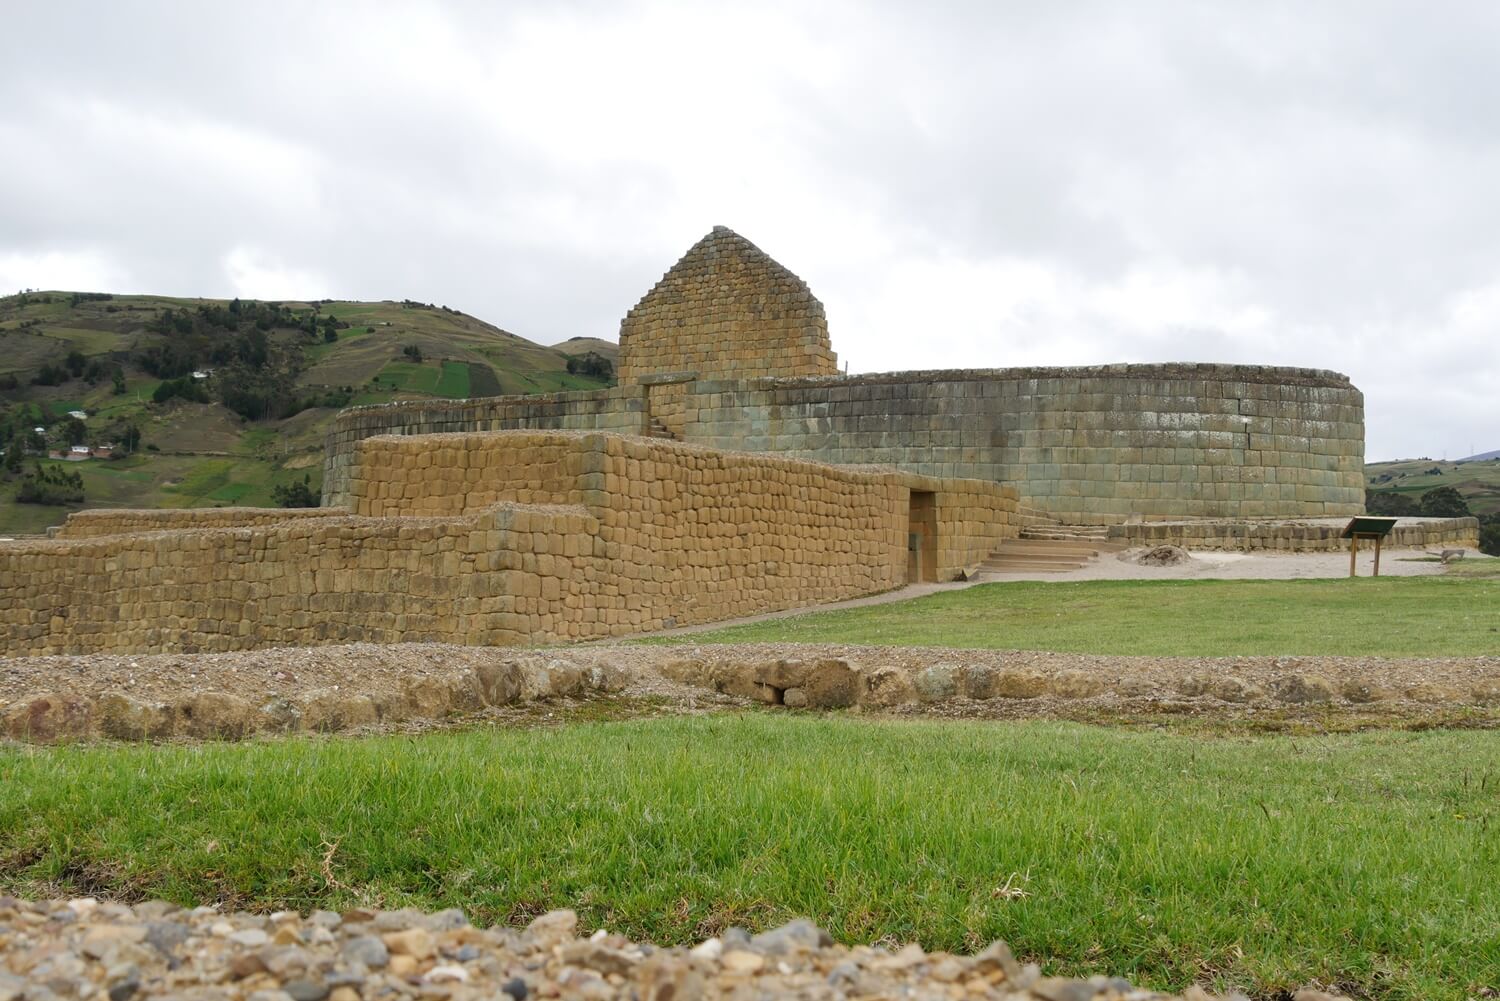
<point>454,382</point>
<point>1364,861</point>
<point>1410,616</point>
<point>1479,482</point>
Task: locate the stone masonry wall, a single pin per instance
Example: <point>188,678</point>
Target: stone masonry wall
<point>663,534</point>
<point>114,521</point>
<point>620,410</point>
<point>726,309</point>
<point>1088,445</point>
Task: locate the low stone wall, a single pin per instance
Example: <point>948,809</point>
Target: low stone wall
<point>1296,536</point>
<point>108,521</point>
<point>665,535</point>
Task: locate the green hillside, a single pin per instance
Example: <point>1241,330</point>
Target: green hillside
<point>277,374</point>
<point>1477,480</point>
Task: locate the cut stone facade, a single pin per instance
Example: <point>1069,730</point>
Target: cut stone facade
<point>496,539</point>
<point>726,310</point>
<point>731,350</point>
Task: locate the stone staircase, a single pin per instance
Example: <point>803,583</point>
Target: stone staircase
<point>1045,546</point>
<point>656,429</point>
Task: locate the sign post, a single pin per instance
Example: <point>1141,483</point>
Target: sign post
<point>1364,527</point>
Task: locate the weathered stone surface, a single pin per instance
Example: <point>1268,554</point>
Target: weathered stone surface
<point>215,716</point>
<point>48,718</point>
<point>124,718</point>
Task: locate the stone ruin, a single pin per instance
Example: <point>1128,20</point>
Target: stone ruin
<point>731,350</point>
<point>733,471</point>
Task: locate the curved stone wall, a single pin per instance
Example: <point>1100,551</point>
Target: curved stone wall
<point>1097,445</point>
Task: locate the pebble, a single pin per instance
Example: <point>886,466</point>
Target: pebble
<point>107,950</point>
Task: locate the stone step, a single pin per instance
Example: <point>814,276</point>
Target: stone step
<point>1001,567</point>
<point>1046,547</point>
<point>1032,557</point>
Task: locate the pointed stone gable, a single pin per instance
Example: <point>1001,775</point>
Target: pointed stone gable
<point>726,311</point>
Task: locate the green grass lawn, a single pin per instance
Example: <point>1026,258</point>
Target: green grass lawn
<point>1366,861</point>
<point>1412,616</point>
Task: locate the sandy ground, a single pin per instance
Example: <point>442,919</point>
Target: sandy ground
<point>1248,566</point>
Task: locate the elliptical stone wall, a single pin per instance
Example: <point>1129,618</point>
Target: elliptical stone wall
<point>497,539</point>
<point>726,310</point>
<point>1096,445</point>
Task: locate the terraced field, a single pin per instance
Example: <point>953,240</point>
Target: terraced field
<point>202,454</point>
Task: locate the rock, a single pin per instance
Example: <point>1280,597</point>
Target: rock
<point>326,710</point>
<point>47,719</point>
<point>1075,685</point>
<point>937,683</point>
<point>366,949</point>
<point>831,684</point>
<point>563,679</point>
<point>710,948</point>
<point>12,987</point>
<point>1058,989</point>
<point>516,988</point>
<point>446,973</point>
<point>597,956</point>
<point>782,673</point>
<point>1017,685</point>
<point>1432,694</point>
<point>424,697</point>
<point>415,942</point>
<point>794,698</point>
<point>124,718</point>
<point>741,962</point>
<point>799,933</point>
<point>1486,693</point>
<point>1300,689</point>
<point>250,938</point>
<point>1361,692</point>
<point>499,684</point>
<point>167,936</point>
<point>279,716</point>
<point>1232,689</point>
<point>887,686</point>
<point>1160,556</point>
<point>302,989</point>
<point>552,928</point>
<point>661,978</point>
<point>215,716</point>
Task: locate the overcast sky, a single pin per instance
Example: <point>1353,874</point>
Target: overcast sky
<point>964,185</point>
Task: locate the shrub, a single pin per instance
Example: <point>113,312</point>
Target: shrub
<point>50,485</point>
<point>298,494</point>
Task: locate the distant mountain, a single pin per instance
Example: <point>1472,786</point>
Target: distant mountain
<point>1483,456</point>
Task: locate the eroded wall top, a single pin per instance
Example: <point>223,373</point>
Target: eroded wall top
<point>726,310</point>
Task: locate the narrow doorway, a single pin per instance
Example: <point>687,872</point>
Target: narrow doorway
<point>921,537</point>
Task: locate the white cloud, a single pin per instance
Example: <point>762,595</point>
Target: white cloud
<point>964,184</point>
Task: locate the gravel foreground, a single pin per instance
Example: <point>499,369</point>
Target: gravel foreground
<point>369,687</point>
<point>82,948</point>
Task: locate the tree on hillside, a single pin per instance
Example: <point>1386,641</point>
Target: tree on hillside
<point>1444,502</point>
<point>1389,504</point>
<point>75,431</point>
<point>1489,534</point>
<point>297,494</point>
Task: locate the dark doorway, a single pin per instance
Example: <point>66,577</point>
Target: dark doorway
<point>921,537</point>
